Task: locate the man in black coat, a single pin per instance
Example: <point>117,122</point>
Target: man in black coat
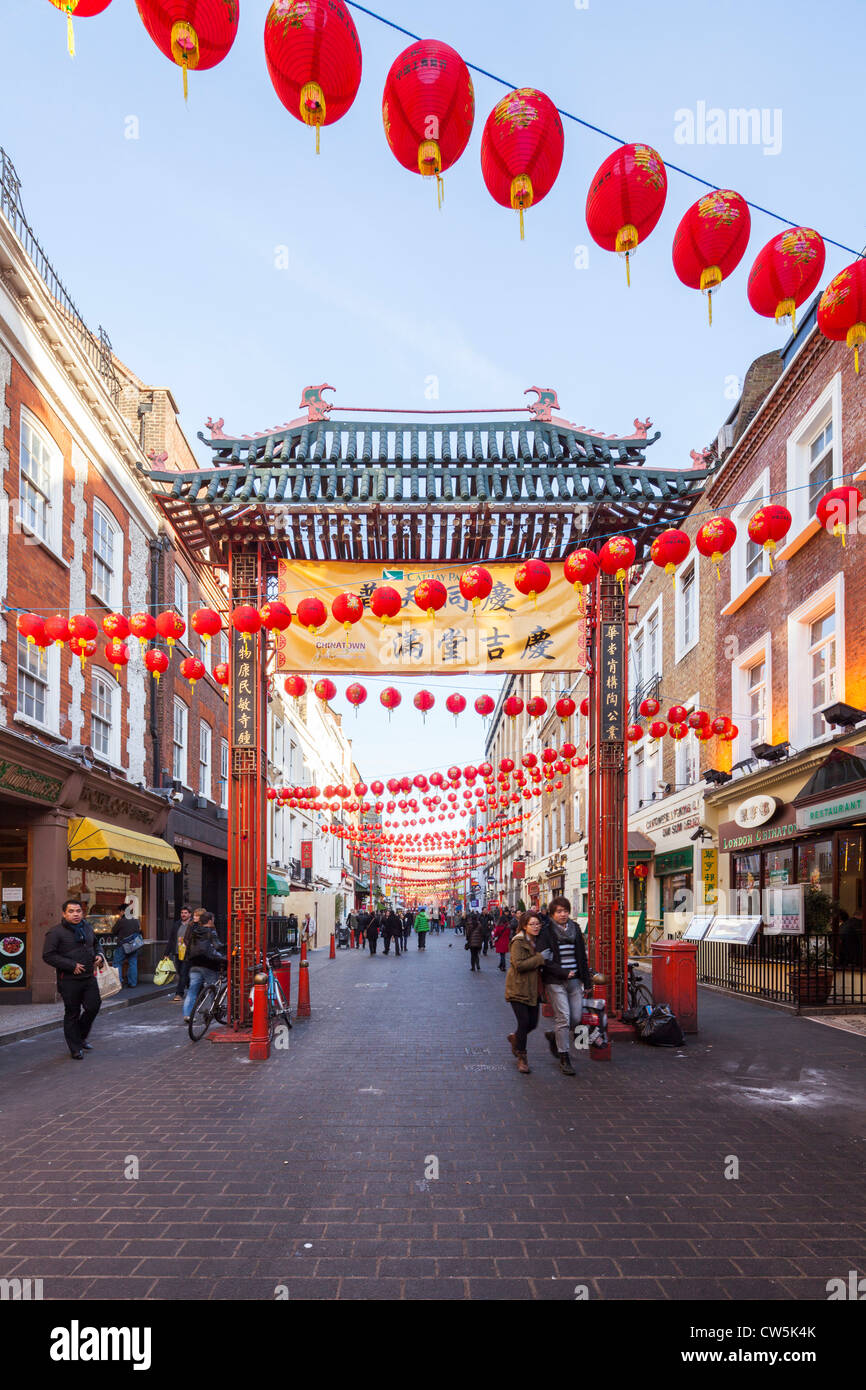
<point>392,930</point>
<point>372,928</point>
<point>408,923</point>
<point>566,976</point>
<point>71,949</point>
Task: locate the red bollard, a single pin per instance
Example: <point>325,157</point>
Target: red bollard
<point>260,1047</point>
<point>333,953</point>
<point>303,1009</point>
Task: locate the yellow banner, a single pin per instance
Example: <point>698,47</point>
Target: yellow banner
<point>506,632</point>
<point>710,874</point>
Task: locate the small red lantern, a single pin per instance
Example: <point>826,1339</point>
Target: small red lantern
<point>715,538</point>
<point>356,694</point>
<point>312,614</point>
<point>521,149</point>
<point>156,661</point>
<point>385,603</point>
<point>837,510</point>
<point>431,595</point>
<point>118,654</point>
<point>704,733</point>
<point>842,309</point>
<point>192,670</point>
<point>528,760</point>
<point>584,706</point>
<point>207,623</point>
<point>314,59</point>
<point>484,705</point>
<point>424,702</point>
<point>669,549</point>
<point>390,698</point>
<point>455,704</point>
<point>568,750</point>
<point>536,707</point>
<point>83,628</point>
<point>581,567</point>
<point>115,626</point>
<point>348,609</point>
<point>616,557</point>
<point>295,686</point>
<point>143,626</point>
<point>507,765</point>
<point>565,707</point>
<point>83,647</point>
<point>721,725</point>
<point>768,526</point>
<point>786,273</point>
<point>698,719</point>
<point>377,788</point>
<point>732,733</point>
<point>677,714</point>
<point>532,578</point>
<point>275,616</point>
<point>221,673</point>
<point>57,630</point>
<point>711,241</point>
<point>513,706</point>
<point>678,731</point>
<point>325,690</point>
<point>428,108</point>
<point>271,793</point>
<point>634,733</point>
<point>641,871</point>
<point>246,620</point>
<point>191,33</point>
<point>658,728</point>
<point>31,626</point>
<point>81,9</point>
<point>475,584</point>
<point>171,627</point>
<point>626,199</point>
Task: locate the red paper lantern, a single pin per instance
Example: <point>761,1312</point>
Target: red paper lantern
<point>768,526</point>
<point>82,627</point>
<point>506,765</point>
<point>325,689</point>
<point>649,707</point>
<point>634,733</point>
<point>704,733</point>
<point>669,549</point>
<point>698,719</point>
<point>118,654</point>
<point>581,567</point>
<point>424,702</point>
<point>312,614</point>
<point>513,706</point>
<point>626,199</point>
<point>246,620</point>
<point>143,626</point>
<point>721,725</point>
<point>385,603</point>
<point>377,788</point>
<point>786,273</point>
<point>390,698</point>
<point>658,728</point>
<point>565,707</point>
<point>348,609</point>
<point>616,557</point>
<point>677,714</point>
<point>568,750</point>
<point>837,510</point>
<point>275,616</point>
<point>171,627</point>
<point>711,241</point>
<point>428,108</point>
<point>455,704</point>
<point>521,149</point>
<point>271,793</point>
<point>715,538</point>
<point>221,673</point>
<point>484,705</point>
<point>295,686</point>
<point>207,623</point>
<point>156,661</point>
<point>431,595</point>
<point>356,694</point>
<point>83,647</point>
<point>475,584</point>
<point>678,731</point>
<point>536,707</point>
<point>57,630</point>
<point>192,670</point>
<point>80,9</point>
<point>532,578</point>
<point>732,733</point>
<point>314,59</point>
<point>842,309</point>
<point>191,33</point>
<point>115,626</point>
<point>31,626</point>
<point>641,871</point>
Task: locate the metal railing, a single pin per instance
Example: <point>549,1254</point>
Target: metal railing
<point>803,970</point>
<point>650,689</point>
<point>96,346</point>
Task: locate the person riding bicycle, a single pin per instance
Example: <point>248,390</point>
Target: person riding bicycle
<point>205,956</point>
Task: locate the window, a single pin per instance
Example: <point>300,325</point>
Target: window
<point>652,773</point>
<point>636,665</point>
<point>562,840</point>
<point>816,661</point>
<point>181,715</point>
<point>33,700</point>
<point>822,669</point>
<point>40,482</point>
<point>107,558</point>
<point>748,559</point>
<point>653,647</point>
<point>636,788</point>
<point>751,691</point>
<point>814,461</point>
<point>754,551</point>
<point>687,753</point>
<point>756,694</point>
<point>181,596</point>
<point>224,775</point>
<point>105,717</point>
<point>820,466</point>
<point>686,610</point>
<point>204,746</point>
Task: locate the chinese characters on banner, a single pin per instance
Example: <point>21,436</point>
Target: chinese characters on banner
<point>611,688</point>
<point>243,692</point>
<point>506,632</point>
<point>306,854</point>
<point>710,875</point>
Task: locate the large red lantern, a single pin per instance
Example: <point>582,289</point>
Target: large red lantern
<point>536,707</point>
<point>649,707</point>
<point>721,725</point>
<point>626,199</point>
<point>245,620</point>
<point>768,526</point>
<point>711,241</point>
<point>80,9</point>
<point>142,626</point>
<point>581,567</point>
<point>171,626</point>
<point>677,714</point>
<point>118,654</point>
<point>634,733</point>
<point>390,698</point>
<point>207,623</point>
<point>698,719</point>
<point>513,706</point>
<point>532,578</point>
<point>156,661</point>
<point>191,33</point>
<point>485,705</point>
<point>616,557</point>
<point>385,603</point>
<point>314,59</point>
<point>658,728</point>
<point>348,609</point>
<point>475,584</point>
<point>521,149</point>
<point>678,731</point>
<point>428,108</point>
<point>312,614</point>
<point>295,686</point>
<point>192,670</point>
<point>356,694</point>
<point>669,549</point>
<point>837,510</point>
<point>325,689</point>
<point>431,595</point>
<point>83,627</point>
<point>732,733</point>
<point>715,538</point>
<point>221,673</point>
<point>57,630</point>
<point>785,273</point>
<point>842,309</point>
<point>565,708</point>
<point>424,702</point>
<point>115,626</point>
<point>275,616</point>
<point>31,626</point>
<point>83,647</point>
<point>455,704</point>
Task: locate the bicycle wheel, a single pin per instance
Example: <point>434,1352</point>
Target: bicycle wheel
<point>281,1004</point>
<point>642,996</point>
<point>200,1019</point>
<point>221,1005</point>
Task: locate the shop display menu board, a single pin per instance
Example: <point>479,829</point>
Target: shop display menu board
<point>13,960</point>
<point>698,928</point>
<point>740,931</point>
<point>784,909</point>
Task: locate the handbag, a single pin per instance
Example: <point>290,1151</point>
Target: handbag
<point>132,944</point>
<point>164,972</point>
<point>108,981</point>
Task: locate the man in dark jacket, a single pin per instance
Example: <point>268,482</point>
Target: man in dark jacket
<point>566,975</point>
<point>392,930</point>
<point>408,923</point>
<point>205,956</point>
<point>178,934</point>
<point>372,930</point>
<point>71,949</point>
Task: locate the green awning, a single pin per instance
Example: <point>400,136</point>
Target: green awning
<point>674,861</point>
<point>277,887</point>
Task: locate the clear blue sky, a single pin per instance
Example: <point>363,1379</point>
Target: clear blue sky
<point>171,240</point>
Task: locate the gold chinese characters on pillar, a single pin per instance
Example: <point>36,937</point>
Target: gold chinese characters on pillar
<point>243,692</point>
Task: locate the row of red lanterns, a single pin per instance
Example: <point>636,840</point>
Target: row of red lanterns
<point>680,721</point>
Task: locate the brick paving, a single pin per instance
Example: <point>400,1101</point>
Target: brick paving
<point>311,1174</point>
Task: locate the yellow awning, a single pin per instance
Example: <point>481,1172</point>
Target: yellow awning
<point>94,839</point>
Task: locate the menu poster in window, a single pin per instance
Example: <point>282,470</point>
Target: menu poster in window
<point>13,960</point>
<point>783,910</point>
<point>740,931</point>
<point>697,928</point>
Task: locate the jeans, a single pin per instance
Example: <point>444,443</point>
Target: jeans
<point>502,965</point>
<point>81,1002</point>
<point>388,939</point>
<point>566,998</point>
<point>473,958</point>
<point>407,932</point>
<point>198,975</point>
<point>527,1019</point>
<point>132,973</point>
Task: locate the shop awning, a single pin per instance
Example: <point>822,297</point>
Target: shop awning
<point>640,847</point>
<point>94,839</point>
<point>277,887</point>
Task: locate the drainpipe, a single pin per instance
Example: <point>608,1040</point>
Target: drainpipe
<point>158,547</point>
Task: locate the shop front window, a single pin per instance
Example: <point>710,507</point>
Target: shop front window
<point>747,884</point>
<point>815,869</point>
<point>779,866</point>
<point>677,893</point>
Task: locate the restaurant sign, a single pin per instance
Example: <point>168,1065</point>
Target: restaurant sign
<point>733,836</point>
<point>25,782</point>
<point>838,808</point>
<point>756,811</point>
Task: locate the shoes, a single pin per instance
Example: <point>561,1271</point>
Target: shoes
<point>88,1047</point>
<point>77,1056</point>
<point>565,1065</point>
<point>551,1043</point>
<point>512,1040</point>
<point>522,1064</point>
<point>177,999</point>
<point>185,1019</point>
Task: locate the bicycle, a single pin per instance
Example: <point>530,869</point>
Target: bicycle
<point>212,1003</point>
<point>278,1005</point>
<point>639,993</point>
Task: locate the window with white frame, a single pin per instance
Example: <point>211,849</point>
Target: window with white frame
<point>814,458</point>
<point>181,595</point>
<point>107,558</point>
<point>816,662</point>
<point>33,682</point>
<point>822,669</point>
<point>687,753</point>
<point>105,717</point>
<point>652,772</point>
<point>653,643</point>
<point>41,482</point>
<point>749,559</point>
<point>561,824</point>
<point>820,466</point>
<point>686,609</point>
<point>204,759</point>
<point>224,775</point>
<point>636,787</point>
<point>179,732</point>
<point>635,666</point>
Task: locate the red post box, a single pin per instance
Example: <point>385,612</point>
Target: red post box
<point>675,980</point>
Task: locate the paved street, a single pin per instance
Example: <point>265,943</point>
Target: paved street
<point>313,1171</point>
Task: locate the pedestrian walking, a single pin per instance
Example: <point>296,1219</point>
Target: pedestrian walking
<point>70,947</point>
<point>486,934</point>
<point>392,930</point>
<point>566,975</point>
<point>502,940</point>
<point>176,948</point>
<point>522,984</point>
<point>474,940</point>
<point>352,924</point>
<point>205,955</point>
<point>422,926</point>
<point>408,923</point>
<point>128,935</point>
<point>372,930</point>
